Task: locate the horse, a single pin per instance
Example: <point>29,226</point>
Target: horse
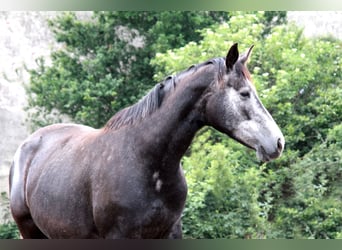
<point>125,179</point>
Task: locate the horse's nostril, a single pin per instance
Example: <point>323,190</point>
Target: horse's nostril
<point>279,145</point>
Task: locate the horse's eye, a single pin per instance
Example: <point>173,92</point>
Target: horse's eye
<point>245,94</point>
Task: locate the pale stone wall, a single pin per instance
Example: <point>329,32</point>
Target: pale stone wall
<point>318,23</point>
<point>24,36</point>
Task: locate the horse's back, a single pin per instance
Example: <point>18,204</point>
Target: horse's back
<point>29,166</point>
<point>44,139</point>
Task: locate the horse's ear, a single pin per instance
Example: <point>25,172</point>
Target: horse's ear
<point>232,57</point>
<point>245,57</point>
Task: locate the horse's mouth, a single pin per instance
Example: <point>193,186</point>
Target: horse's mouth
<point>263,156</point>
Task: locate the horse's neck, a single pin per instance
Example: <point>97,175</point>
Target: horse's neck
<point>178,134</point>
<point>164,136</point>
<point>171,129</point>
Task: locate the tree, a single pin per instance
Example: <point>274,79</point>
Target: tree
<point>104,64</point>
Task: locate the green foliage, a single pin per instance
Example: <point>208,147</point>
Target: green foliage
<point>103,64</point>
<point>216,41</point>
<point>223,194</point>
<point>298,195</point>
<point>8,230</point>
<point>315,209</point>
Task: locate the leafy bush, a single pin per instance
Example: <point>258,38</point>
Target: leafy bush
<point>8,230</point>
<point>103,64</point>
<point>223,194</point>
<point>315,209</point>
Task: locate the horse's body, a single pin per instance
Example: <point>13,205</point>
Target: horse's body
<point>89,182</point>
<point>125,180</point>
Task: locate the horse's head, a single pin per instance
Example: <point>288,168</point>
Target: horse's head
<point>233,107</point>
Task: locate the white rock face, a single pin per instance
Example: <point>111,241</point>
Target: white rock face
<point>318,23</point>
<point>24,36</point>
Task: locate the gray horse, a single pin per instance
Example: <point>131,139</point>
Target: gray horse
<point>125,180</point>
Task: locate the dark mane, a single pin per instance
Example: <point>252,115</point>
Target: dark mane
<point>146,106</point>
<point>152,101</point>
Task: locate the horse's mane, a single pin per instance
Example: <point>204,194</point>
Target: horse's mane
<point>143,108</point>
<point>152,101</point>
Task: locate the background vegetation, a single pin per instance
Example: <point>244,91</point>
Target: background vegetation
<point>110,61</point>
<point>8,229</point>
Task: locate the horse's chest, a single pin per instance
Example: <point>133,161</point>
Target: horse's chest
<point>157,220</point>
<point>157,213</point>
<point>143,206</point>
